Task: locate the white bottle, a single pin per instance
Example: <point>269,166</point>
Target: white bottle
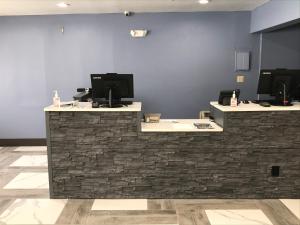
<point>233,100</point>
<point>56,99</point>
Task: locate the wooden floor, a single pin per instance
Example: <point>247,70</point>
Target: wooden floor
<point>32,205</point>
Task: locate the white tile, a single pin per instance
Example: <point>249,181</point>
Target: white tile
<point>120,204</point>
<point>293,205</point>
<point>33,211</point>
<point>31,160</point>
<point>29,181</point>
<point>31,149</point>
<point>237,217</point>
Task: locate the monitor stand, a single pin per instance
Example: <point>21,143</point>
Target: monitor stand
<point>282,97</point>
<point>273,102</point>
<point>281,104</point>
<point>112,106</point>
<point>112,103</point>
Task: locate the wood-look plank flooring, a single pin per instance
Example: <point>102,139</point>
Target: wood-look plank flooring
<point>160,211</point>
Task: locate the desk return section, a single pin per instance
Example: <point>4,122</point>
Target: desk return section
<point>108,153</point>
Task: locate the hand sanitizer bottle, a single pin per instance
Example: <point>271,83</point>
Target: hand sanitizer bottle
<point>56,99</point>
<point>233,100</point>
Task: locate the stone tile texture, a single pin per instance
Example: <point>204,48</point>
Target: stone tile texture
<point>104,155</point>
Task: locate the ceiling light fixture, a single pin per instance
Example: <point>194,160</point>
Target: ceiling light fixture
<point>203,2</point>
<point>63,5</point>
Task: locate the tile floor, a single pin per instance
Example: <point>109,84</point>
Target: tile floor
<point>31,149</point>
<point>293,205</point>
<point>237,217</point>
<point>30,161</point>
<point>24,200</point>
<point>117,204</point>
<point>33,211</point>
<point>29,181</point>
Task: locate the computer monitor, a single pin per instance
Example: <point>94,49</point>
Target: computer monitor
<point>265,82</point>
<point>283,84</point>
<point>296,89</point>
<point>112,86</point>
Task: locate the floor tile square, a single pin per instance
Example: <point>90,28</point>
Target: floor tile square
<point>29,181</point>
<point>31,149</point>
<point>120,204</point>
<point>237,217</point>
<point>31,161</point>
<point>33,211</point>
<point>293,205</point>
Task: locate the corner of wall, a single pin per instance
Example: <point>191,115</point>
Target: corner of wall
<point>273,14</point>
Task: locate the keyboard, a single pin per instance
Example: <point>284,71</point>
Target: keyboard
<point>203,125</point>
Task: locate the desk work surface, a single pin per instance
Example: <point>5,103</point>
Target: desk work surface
<point>251,107</point>
<point>87,107</point>
<point>179,125</point>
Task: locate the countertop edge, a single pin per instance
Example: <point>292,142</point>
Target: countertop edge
<point>135,107</point>
<point>251,107</point>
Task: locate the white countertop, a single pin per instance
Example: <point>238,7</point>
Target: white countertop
<point>179,125</point>
<point>87,107</point>
<point>251,107</point>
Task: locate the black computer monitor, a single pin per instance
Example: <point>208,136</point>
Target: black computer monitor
<point>112,86</point>
<point>265,82</point>
<point>296,89</point>
<point>283,84</point>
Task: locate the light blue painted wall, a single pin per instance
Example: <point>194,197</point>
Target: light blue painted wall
<point>274,13</point>
<point>178,68</point>
<point>281,48</point>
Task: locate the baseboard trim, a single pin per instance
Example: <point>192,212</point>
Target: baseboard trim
<point>23,142</point>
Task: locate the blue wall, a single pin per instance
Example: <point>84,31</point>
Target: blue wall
<point>281,48</point>
<point>178,68</point>
<point>275,13</point>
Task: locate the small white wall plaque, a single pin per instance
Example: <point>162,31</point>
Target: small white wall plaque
<point>138,33</point>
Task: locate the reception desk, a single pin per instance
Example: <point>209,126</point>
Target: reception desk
<point>110,153</point>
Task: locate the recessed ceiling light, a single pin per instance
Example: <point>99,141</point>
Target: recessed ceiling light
<point>63,5</point>
<point>203,1</point>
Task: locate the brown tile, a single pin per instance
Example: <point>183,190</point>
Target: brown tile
<point>154,204</point>
<point>132,217</point>
<point>167,204</point>
<point>76,211</point>
<point>195,216</point>
<point>276,211</point>
<point>4,203</point>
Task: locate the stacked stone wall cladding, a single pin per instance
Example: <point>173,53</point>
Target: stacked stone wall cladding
<point>105,155</point>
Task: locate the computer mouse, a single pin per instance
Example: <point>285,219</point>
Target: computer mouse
<point>265,104</point>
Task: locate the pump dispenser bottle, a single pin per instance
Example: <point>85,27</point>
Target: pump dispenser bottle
<point>56,99</point>
<point>233,100</point>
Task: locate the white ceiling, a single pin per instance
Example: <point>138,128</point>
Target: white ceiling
<point>44,7</point>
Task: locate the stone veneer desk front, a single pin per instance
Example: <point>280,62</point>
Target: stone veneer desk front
<point>109,153</point>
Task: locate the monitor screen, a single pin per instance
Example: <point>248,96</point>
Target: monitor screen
<point>265,82</point>
<point>271,82</point>
<point>121,85</point>
<point>281,83</point>
<point>296,89</point>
